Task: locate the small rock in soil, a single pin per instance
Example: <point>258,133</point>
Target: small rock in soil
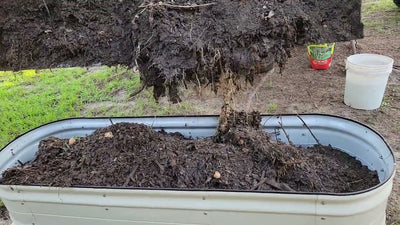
<point>71,141</point>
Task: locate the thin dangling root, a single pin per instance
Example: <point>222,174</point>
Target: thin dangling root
<point>229,88</point>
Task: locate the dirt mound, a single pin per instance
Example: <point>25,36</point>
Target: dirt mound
<point>133,155</point>
<point>192,40</point>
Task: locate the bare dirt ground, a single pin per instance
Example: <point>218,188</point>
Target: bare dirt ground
<point>303,90</point>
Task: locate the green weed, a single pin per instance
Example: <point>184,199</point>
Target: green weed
<point>271,108</point>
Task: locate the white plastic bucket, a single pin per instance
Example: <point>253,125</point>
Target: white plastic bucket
<point>366,80</point>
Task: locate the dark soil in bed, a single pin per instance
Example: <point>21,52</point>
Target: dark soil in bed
<point>4,214</point>
<point>134,155</point>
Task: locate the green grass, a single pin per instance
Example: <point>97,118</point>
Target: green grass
<point>370,7</point>
<point>381,15</point>
<point>29,99</point>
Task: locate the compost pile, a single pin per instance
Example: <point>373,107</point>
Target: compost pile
<point>170,41</point>
<point>134,155</point>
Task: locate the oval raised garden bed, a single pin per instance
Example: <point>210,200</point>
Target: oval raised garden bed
<point>122,206</point>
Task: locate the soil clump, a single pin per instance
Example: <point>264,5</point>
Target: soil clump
<point>170,41</point>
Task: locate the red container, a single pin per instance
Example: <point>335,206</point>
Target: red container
<point>320,64</point>
<point>321,55</point>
